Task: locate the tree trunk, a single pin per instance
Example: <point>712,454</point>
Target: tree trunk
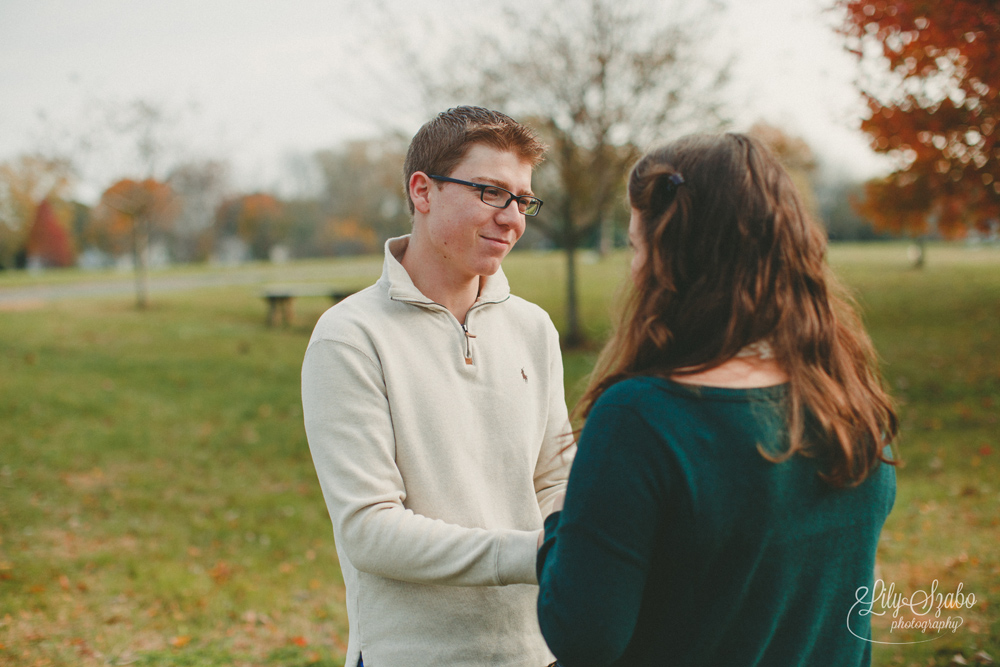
<point>140,243</point>
<point>574,334</point>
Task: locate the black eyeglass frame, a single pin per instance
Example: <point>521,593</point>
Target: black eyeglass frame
<point>482,193</point>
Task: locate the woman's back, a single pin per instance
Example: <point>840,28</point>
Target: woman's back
<point>681,544</point>
<point>731,518</point>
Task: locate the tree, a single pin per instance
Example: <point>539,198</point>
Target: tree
<point>128,214</point>
<point>49,243</point>
<point>602,80</point>
<point>201,188</point>
<point>795,156</point>
<point>931,80</point>
<point>362,186</point>
<point>24,184</point>
<point>337,236</point>
<point>258,219</point>
<point>836,196</point>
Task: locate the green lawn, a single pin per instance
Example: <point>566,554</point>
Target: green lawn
<point>158,505</point>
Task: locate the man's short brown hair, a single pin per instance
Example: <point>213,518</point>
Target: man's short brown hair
<point>443,142</point>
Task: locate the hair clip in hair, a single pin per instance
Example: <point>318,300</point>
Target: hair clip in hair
<point>664,191</point>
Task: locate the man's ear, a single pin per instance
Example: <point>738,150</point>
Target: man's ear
<point>420,187</point>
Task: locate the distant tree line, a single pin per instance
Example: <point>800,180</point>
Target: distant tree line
<point>193,215</point>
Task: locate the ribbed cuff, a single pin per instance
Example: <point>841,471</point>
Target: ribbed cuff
<point>516,557</point>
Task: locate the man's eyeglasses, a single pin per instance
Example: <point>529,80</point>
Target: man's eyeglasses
<point>498,197</point>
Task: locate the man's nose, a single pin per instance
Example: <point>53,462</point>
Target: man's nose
<point>511,216</point>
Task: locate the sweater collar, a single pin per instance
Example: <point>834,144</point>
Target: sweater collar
<point>493,289</point>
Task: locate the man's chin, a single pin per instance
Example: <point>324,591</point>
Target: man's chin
<point>491,263</point>
<point>489,268</point>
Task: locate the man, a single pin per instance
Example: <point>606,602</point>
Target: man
<point>434,408</point>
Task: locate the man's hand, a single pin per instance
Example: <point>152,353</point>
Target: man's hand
<point>556,506</point>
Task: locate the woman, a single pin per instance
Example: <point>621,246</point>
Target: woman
<point>728,490</point>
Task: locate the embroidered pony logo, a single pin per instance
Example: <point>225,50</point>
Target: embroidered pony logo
<point>524,375</point>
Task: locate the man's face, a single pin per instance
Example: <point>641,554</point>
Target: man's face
<point>469,236</point>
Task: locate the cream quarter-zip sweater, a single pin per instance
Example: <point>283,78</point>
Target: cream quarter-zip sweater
<point>438,446</point>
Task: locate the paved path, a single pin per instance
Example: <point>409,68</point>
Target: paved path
<point>123,287</point>
<point>354,274</point>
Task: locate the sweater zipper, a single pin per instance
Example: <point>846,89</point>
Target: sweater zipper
<point>468,344</point>
<point>465,329</point>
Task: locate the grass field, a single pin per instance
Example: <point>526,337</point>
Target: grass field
<point>158,505</point>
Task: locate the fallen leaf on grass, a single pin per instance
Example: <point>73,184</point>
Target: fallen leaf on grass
<point>221,572</point>
<point>180,641</point>
<point>299,641</point>
<point>81,645</point>
<point>64,582</point>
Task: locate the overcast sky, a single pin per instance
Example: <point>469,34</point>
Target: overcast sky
<point>254,82</point>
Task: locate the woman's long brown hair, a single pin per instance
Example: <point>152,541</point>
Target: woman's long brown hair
<point>732,257</point>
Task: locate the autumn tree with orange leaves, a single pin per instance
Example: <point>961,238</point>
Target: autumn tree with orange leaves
<point>49,243</point>
<point>128,214</point>
<point>258,219</point>
<point>24,183</point>
<point>931,79</point>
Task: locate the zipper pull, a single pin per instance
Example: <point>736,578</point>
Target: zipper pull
<point>468,345</point>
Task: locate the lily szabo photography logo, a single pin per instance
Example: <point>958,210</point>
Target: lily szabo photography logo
<point>933,612</point>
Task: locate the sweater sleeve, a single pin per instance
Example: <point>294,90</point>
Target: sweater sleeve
<point>350,433</point>
<point>593,565</point>
<point>556,453</point>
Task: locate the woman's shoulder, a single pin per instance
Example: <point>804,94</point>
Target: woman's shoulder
<point>628,392</point>
<point>644,395</point>
<point>639,390</point>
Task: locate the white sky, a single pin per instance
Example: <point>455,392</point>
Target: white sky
<point>254,81</point>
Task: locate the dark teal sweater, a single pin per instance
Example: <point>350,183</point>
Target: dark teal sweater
<point>681,545</point>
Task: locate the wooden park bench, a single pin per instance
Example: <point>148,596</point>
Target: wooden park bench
<point>279,299</point>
